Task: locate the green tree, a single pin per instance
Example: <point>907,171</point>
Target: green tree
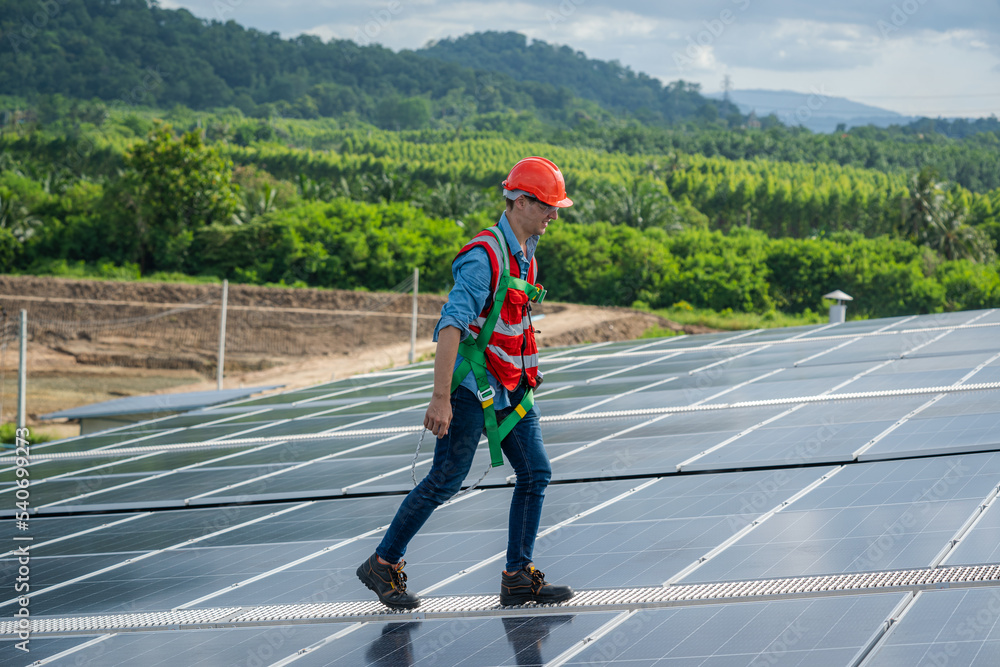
<point>923,209</point>
<point>10,251</point>
<point>172,186</point>
<point>641,203</point>
<point>15,217</point>
<point>453,200</point>
<point>953,239</point>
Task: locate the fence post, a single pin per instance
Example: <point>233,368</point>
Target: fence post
<point>222,335</point>
<point>22,372</point>
<point>413,326</point>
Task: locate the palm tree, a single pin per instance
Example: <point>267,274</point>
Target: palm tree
<point>452,200</point>
<point>941,225</point>
<point>639,203</point>
<point>950,236</point>
<point>256,202</point>
<point>313,190</point>
<point>924,207</point>
<point>15,217</point>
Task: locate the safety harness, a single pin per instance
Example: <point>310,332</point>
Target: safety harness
<point>473,353</point>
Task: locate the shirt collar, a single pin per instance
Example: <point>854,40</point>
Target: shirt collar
<point>512,241</point>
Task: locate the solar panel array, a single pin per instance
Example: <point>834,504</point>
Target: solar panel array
<point>230,535</point>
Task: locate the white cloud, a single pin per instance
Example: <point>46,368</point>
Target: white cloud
<point>937,57</point>
<point>796,44</point>
<point>926,73</point>
<point>612,26</point>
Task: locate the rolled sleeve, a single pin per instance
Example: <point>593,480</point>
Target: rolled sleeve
<point>468,297</point>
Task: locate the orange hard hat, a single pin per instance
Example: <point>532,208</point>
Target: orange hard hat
<point>542,179</point>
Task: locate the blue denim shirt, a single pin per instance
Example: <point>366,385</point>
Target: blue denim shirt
<point>468,297</point>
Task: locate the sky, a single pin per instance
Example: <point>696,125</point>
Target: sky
<point>917,57</point>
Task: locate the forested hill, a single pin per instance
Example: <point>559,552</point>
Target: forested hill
<point>138,52</point>
<point>608,83</point>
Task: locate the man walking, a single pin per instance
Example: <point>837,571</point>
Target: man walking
<point>484,373</point>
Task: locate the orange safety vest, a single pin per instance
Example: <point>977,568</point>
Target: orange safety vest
<point>512,348</point>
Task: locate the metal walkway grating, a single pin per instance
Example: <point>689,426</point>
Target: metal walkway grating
<point>614,599</point>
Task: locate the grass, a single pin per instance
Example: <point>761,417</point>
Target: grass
<point>657,331</point>
<point>8,435</point>
<point>80,270</point>
<point>729,320</point>
<point>128,272</point>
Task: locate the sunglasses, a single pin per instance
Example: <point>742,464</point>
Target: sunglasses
<point>548,207</point>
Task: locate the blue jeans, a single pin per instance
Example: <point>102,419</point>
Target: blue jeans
<point>452,459</point>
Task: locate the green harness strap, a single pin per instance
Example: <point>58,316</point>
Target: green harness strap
<point>473,353</point>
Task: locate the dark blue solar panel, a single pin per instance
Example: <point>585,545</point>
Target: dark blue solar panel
<point>819,632</point>
<point>869,516</point>
<point>939,435</point>
<point>953,628</point>
<point>876,516</point>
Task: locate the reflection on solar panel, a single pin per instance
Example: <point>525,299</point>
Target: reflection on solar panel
<point>779,497</point>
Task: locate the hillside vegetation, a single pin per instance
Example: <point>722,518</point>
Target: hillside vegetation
<point>120,50</point>
<point>270,161</point>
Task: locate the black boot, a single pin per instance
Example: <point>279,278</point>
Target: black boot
<point>529,585</point>
<point>388,582</point>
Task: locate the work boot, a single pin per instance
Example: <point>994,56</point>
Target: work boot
<point>388,582</point>
<point>529,585</point>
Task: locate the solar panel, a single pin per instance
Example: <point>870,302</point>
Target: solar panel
<point>879,516</point>
<point>730,457</point>
<point>822,631</point>
<point>506,641</point>
<point>954,628</point>
<point>939,435</point>
<point>982,543</point>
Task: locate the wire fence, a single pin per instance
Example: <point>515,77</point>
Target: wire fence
<point>126,330</point>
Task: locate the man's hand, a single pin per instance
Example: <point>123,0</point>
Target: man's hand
<point>438,416</point>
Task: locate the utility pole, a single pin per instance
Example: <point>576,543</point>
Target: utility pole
<point>22,372</point>
<point>222,335</point>
<point>413,325</point>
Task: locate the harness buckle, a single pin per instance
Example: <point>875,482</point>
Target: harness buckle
<point>486,395</point>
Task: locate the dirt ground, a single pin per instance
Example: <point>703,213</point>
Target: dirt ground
<point>92,341</point>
